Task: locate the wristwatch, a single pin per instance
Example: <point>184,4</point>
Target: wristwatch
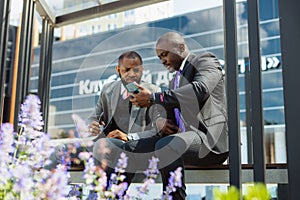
<point>152,98</point>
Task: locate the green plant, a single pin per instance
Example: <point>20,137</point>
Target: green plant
<point>256,191</point>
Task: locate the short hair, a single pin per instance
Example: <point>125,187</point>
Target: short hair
<point>130,55</point>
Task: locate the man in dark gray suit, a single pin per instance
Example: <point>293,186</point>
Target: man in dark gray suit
<point>199,133</point>
<point>115,120</point>
<point>115,113</point>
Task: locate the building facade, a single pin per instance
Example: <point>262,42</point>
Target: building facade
<point>83,65</point>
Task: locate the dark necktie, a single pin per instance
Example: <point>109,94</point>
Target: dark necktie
<point>179,121</point>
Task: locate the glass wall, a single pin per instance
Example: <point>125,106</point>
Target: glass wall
<point>83,65</point>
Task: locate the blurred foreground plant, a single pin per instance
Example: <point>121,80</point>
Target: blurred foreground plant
<point>24,155</point>
<point>257,191</point>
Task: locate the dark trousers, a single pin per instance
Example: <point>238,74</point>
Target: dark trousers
<point>172,151</point>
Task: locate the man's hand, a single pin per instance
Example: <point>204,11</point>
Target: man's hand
<point>118,135</point>
<point>141,99</point>
<point>95,128</point>
<point>166,126</point>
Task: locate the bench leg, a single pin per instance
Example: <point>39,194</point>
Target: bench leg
<point>283,191</point>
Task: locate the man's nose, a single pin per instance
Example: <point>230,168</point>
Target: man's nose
<point>163,61</point>
<point>131,73</point>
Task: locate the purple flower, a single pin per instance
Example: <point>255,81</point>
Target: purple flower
<point>30,115</point>
<point>84,155</point>
<point>151,174</point>
<point>122,163</point>
<point>174,181</point>
<point>152,170</point>
<point>81,127</point>
<point>119,189</point>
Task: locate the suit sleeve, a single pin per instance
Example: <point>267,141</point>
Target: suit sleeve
<point>206,75</point>
<point>98,109</point>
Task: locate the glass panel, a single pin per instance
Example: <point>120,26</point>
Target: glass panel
<point>84,59</point>
<point>116,21</point>
<point>34,70</point>
<point>273,102</point>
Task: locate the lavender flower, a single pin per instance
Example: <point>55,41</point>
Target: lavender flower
<point>81,127</point>
<point>151,174</point>
<point>54,185</point>
<point>152,170</point>
<point>6,143</point>
<point>23,156</point>
<point>122,163</point>
<point>118,190</point>
<point>30,116</point>
<point>174,181</point>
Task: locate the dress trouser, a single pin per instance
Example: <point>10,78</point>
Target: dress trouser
<point>172,151</point>
<point>106,152</point>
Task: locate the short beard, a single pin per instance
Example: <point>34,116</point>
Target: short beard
<point>125,83</point>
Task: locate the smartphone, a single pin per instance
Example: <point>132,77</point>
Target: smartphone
<point>132,88</point>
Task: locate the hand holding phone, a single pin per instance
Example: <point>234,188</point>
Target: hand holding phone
<point>131,88</point>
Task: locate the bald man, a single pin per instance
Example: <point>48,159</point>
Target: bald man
<point>197,133</point>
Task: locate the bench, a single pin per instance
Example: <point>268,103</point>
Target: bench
<point>213,174</point>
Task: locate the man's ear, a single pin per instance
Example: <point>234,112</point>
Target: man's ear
<point>118,69</point>
<point>181,48</point>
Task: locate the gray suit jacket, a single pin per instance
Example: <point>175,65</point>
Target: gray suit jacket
<point>142,120</point>
<point>201,98</point>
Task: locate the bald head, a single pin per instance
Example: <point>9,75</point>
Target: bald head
<point>171,37</point>
<point>171,49</point>
<point>175,41</point>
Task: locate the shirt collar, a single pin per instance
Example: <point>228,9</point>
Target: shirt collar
<point>183,62</point>
<point>124,92</point>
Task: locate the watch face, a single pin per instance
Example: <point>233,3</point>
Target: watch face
<point>152,98</point>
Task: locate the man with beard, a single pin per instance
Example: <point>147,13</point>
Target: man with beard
<point>115,120</point>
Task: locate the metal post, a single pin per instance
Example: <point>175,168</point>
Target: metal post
<point>289,17</point>
<point>24,56</point>
<point>248,111</point>
<point>256,92</point>
<point>233,103</point>
<point>45,69</point>
<point>4,28</point>
<point>28,52</point>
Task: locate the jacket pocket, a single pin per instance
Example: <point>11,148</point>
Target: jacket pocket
<point>214,120</point>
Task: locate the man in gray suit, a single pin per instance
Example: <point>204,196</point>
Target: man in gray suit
<point>198,135</point>
<point>115,120</point>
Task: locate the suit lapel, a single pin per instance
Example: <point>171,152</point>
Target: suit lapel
<point>115,97</point>
<point>133,116</point>
<point>188,72</point>
<point>171,84</point>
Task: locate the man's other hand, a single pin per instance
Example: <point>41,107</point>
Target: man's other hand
<point>118,135</point>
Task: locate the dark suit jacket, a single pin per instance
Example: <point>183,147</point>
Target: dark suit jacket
<point>201,98</point>
<point>142,120</point>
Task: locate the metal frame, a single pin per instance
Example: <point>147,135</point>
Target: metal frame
<point>102,10</point>
<point>24,57</point>
<point>44,11</point>
<point>257,125</point>
<point>45,69</point>
<point>4,25</point>
<point>248,111</point>
<point>232,85</point>
<point>289,16</point>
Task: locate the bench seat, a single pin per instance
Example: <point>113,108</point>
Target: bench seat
<point>213,174</point>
